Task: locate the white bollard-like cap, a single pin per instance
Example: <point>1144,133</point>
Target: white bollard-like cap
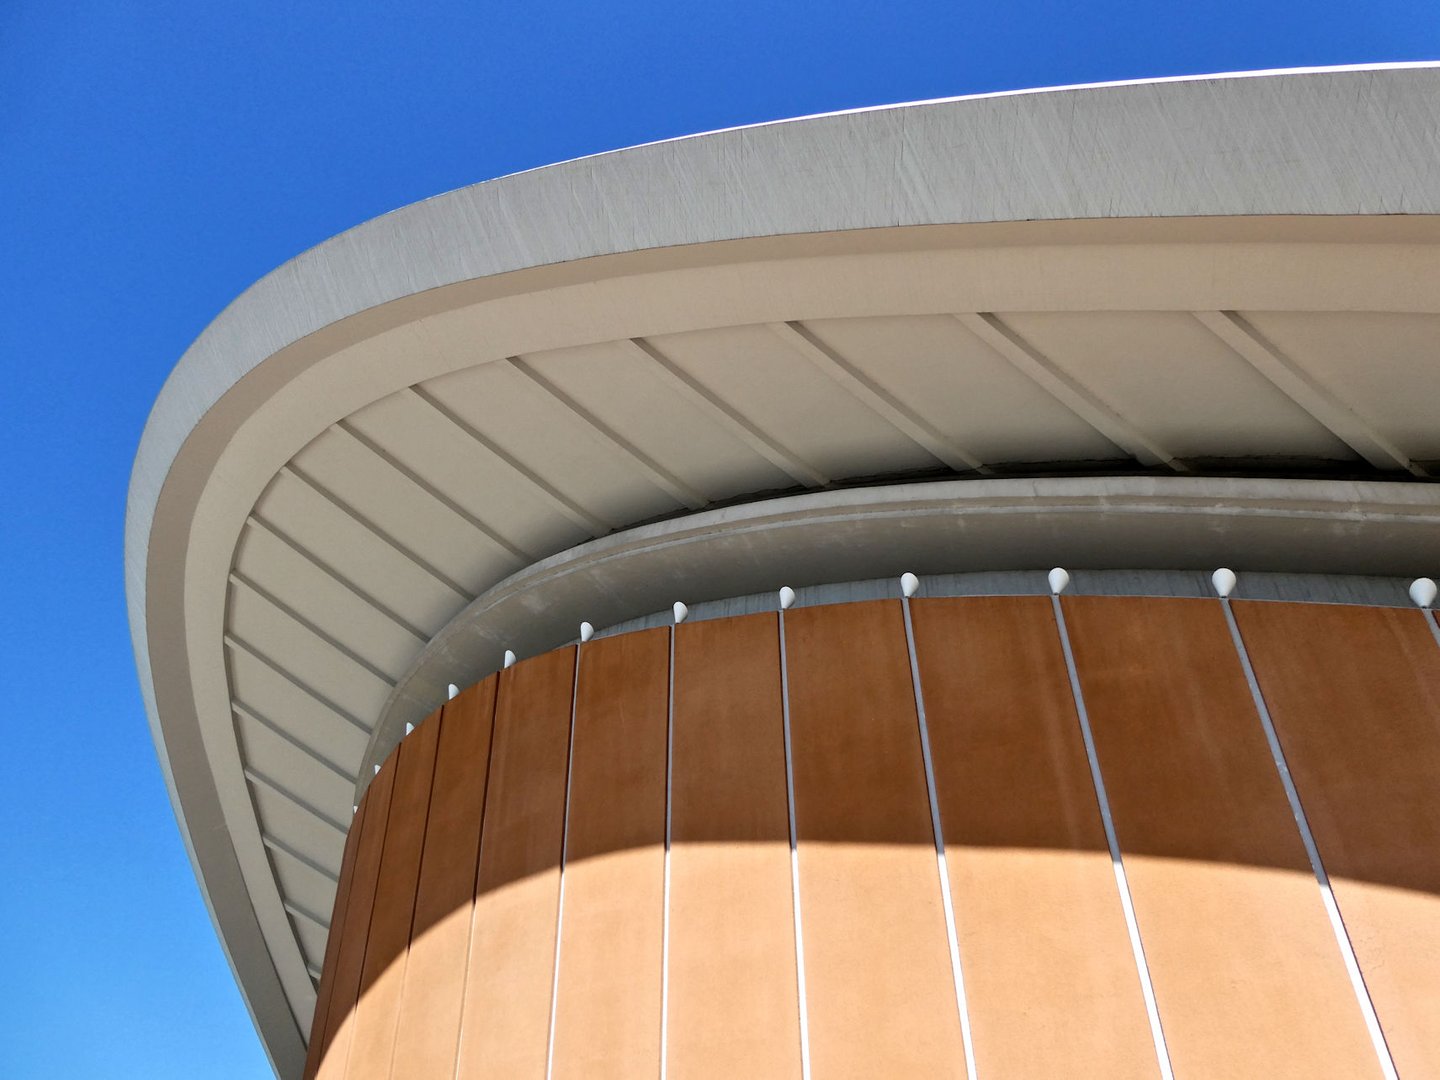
<point>1422,591</point>
<point>452,692</point>
<point>787,597</point>
<point>377,770</point>
<point>1223,580</point>
<point>680,611</point>
<point>409,728</point>
<point>509,658</point>
<point>1059,580</point>
<point>587,631</point>
<point>909,585</point>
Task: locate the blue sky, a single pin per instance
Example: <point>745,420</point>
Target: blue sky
<point>158,157</point>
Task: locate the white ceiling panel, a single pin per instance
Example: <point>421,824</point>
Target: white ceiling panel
<point>560,448</point>
<point>786,395</point>
<point>314,660</point>
<point>312,838</point>
<point>260,687</point>
<point>305,886</point>
<point>1385,366</point>
<point>337,610</point>
<point>946,375</point>
<point>395,506</point>
<point>1172,379</point>
<point>357,554</point>
<point>618,384</point>
<point>430,441</point>
<point>304,770</point>
<point>312,940</point>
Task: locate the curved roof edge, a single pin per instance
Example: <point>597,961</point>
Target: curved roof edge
<point>1340,141</point>
<point>1316,141</point>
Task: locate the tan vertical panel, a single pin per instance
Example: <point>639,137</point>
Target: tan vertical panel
<point>1049,975</point>
<point>734,1003</point>
<point>1247,974</point>
<point>880,990</point>
<point>607,1010</point>
<point>505,1021</point>
<point>1354,693</point>
<point>318,1025</point>
<point>429,1027</point>
<point>385,951</point>
<point>350,957</point>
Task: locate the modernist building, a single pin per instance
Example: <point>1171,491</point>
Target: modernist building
<point>883,796</point>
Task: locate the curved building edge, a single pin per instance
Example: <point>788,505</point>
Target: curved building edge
<point>645,198</point>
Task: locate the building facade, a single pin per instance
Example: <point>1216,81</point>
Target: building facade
<point>930,591</point>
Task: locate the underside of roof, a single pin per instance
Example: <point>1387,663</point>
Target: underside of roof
<point>1210,279</point>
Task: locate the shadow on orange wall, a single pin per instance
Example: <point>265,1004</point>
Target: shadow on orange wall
<point>443,939</point>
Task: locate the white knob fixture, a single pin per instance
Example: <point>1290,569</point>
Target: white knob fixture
<point>377,770</point>
<point>409,728</point>
<point>909,585</point>
<point>1224,581</point>
<point>787,598</point>
<point>1059,579</point>
<point>1422,591</point>
<point>452,692</point>
<point>586,631</point>
<point>509,658</point>
<point>680,611</point>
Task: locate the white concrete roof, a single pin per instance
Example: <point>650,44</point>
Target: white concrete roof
<point>1194,278</point>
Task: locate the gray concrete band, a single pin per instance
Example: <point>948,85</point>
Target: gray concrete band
<point>1168,523</point>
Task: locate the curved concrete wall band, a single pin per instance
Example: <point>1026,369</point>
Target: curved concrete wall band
<point>503,910</point>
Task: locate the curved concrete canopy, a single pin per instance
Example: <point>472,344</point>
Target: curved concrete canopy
<point>1304,527</point>
<point>1204,276</point>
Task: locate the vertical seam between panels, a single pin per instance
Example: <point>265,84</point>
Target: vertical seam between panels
<point>952,936</point>
<point>1312,851</point>
<point>1122,883</point>
<point>500,681</point>
<point>665,910</point>
<point>564,851</point>
<point>1434,626</point>
<point>794,857</point>
<point>439,722</point>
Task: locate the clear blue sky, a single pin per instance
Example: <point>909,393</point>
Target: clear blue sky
<point>158,157</point>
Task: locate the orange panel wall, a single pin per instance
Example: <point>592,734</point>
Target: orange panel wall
<point>506,1014</point>
<point>1050,977</point>
<point>442,960</point>
<point>429,1026</point>
<point>387,946</point>
<point>1247,974</point>
<point>879,988</point>
<point>1355,697</point>
<point>350,956</point>
<point>731,911</point>
<point>607,1007</point>
<point>319,1025</point>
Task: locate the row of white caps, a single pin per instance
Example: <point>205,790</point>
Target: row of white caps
<point>1423,592</point>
